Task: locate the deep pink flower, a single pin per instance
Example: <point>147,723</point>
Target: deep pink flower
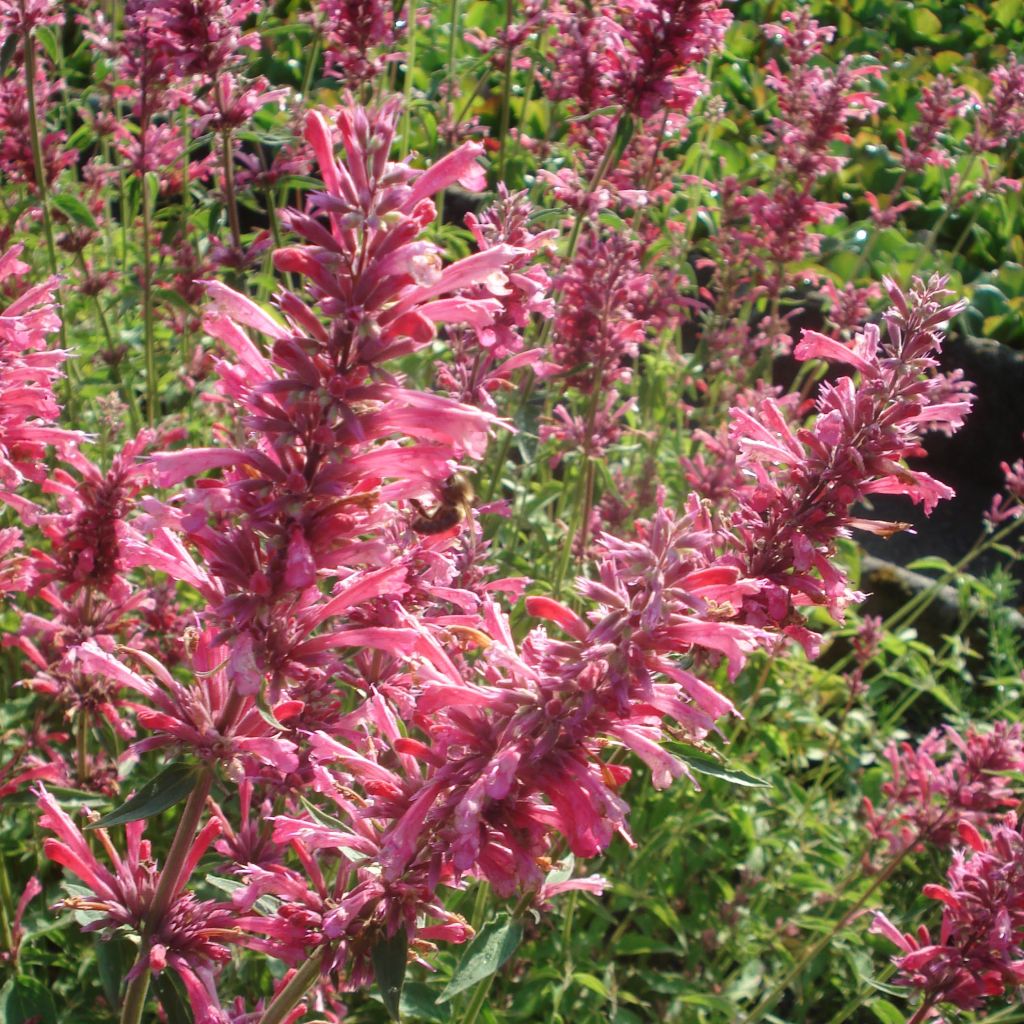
<point>1001,117</point>
<point>198,717</point>
<point>942,781</point>
<point>804,480</point>
<point>191,936</point>
<point>332,435</point>
<point>29,369</point>
<point>16,159</point>
<point>980,951</point>
<point>1010,504</point>
<point>357,38</point>
<point>941,101</point>
<point>815,101</point>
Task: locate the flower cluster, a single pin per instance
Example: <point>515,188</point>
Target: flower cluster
<point>942,782</point>
<point>980,949</point>
<point>29,369</point>
<point>803,481</point>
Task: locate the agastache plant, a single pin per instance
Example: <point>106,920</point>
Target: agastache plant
<point>343,651</point>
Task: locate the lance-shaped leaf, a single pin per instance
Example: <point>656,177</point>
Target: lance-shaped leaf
<point>486,954</point>
<point>717,769</point>
<point>390,957</point>
<point>170,787</point>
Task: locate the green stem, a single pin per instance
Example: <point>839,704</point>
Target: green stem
<point>811,951</point>
<point>152,398</point>
<point>929,243</point>
<point>135,998</point>
<point>167,886</point>
<point>171,876</point>
<point>39,166</point>
<point>506,95</point>
<point>82,745</point>
<point>7,908</point>
<point>924,1010</point>
<point>453,28</point>
<point>915,607</point>
<point>833,745</point>
<point>410,64</point>
<point>307,74</point>
<point>287,999</point>
<point>476,1004</point>
<point>453,34</point>
<point>228,159</point>
<point>866,992</point>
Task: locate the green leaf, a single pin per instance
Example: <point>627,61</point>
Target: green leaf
<point>1006,11</point>
<point>7,51</point>
<point>924,22</point>
<point>173,298</point>
<point>600,112</point>
<point>592,982</point>
<point>170,787</point>
<point>887,1013</point>
<point>24,1000</point>
<point>708,766</point>
<point>562,871</point>
<point>172,998</point>
<point>390,957</point>
<point>48,40</point>
<point>494,945</point>
<point>931,562</point>
<point>74,209</point>
<point>419,1003</point>
<point>151,191</point>
<point>113,959</point>
<point>623,137</point>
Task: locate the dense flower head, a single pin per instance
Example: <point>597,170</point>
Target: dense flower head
<point>815,102</point>
<point>943,780</point>
<point>200,717</point>
<point>635,53</point>
<point>1009,504</point>
<point>21,16</point>
<point>354,34</point>
<point>88,530</point>
<point>803,481</point>
<point>598,325</point>
<point>189,937</point>
<point>203,37</point>
<point>940,103</point>
<point>330,430</point>
<point>29,369</point>
<point>980,949</point>
<point>16,157</point>
<point>513,740</point>
<point>1001,116</point>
